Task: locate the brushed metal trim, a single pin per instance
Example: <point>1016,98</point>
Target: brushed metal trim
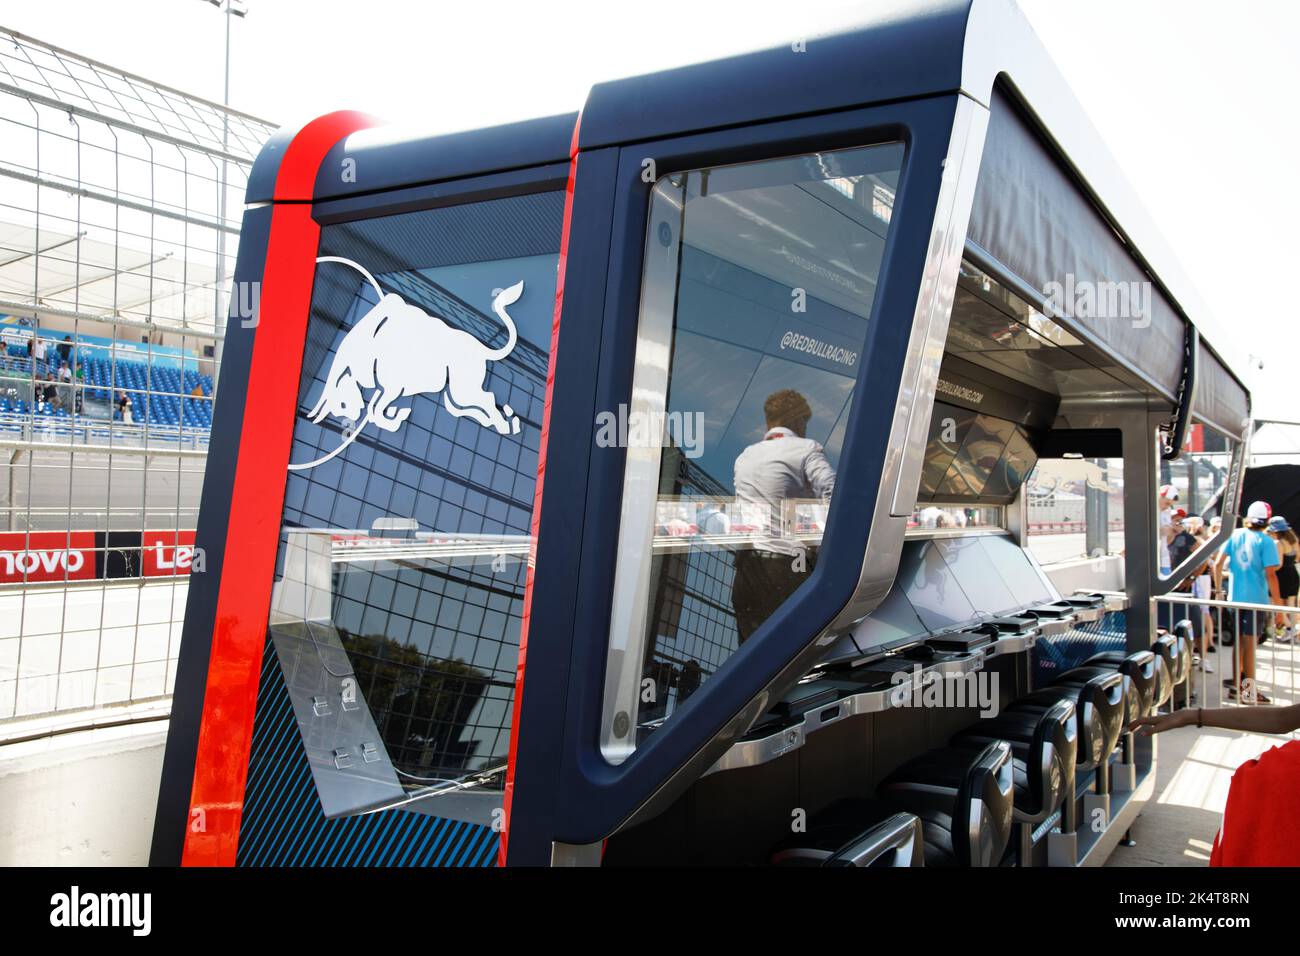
<point>761,750</point>
<point>900,475</point>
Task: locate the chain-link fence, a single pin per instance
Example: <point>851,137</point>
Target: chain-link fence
<point>119,212</point>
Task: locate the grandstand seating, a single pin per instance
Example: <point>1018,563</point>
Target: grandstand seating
<point>160,395</point>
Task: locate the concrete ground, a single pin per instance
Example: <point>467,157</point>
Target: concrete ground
<point>1194,768</point>
<point>83,798</point>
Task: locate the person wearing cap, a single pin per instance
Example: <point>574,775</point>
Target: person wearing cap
<point>1167,495</point>
<point>782,466</point>
<point>1252,560</point>
<point>1288,578</point>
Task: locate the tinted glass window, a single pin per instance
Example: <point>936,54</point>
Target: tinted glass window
<point>400,575</point>
<point>928,517</point>
<point>1017,461</point>
<point>757,290</point>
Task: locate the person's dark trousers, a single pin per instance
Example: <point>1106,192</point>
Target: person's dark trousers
<point>763,582</point>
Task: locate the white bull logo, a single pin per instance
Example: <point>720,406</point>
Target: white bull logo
<point>398,350</point>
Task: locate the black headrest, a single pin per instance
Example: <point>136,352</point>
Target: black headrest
<point>989,790</point>
<point>1141,668</point>
<point>1056,729</point>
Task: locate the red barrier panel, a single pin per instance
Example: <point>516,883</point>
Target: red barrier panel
<point>47,556</point>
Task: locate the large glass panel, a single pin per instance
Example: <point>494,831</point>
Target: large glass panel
<point>400,575</point>
<point>1187,519</point>
<point>1017,570</point>
<point>757,289</point>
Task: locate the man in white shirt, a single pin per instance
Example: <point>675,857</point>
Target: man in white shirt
<point>784,465</point>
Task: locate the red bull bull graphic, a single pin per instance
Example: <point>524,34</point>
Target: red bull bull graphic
<point>398,350</point>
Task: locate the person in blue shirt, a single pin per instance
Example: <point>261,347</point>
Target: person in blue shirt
<point>1252,560</point>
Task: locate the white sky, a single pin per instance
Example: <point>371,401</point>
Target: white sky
<point>1195,98</point>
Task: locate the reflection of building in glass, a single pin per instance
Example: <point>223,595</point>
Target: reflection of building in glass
<point>422,705</point>
<point>430,615</point>
<point>433,640</point>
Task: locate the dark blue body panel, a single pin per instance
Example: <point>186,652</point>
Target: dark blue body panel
<point>384,162</point>
<point>897,51</point>
<point>380,163</point>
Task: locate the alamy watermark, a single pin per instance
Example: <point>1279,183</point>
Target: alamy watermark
<point>1087,299</point>
<point>635,429</point>
<point>921,688</point>
<point>246,303</point>
<point>75,908</point>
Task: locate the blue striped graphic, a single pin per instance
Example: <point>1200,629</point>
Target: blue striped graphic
<point>282,820</point>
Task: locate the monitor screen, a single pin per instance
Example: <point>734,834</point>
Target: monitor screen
<point>931,587</point>
<point>1017,461</point>
<point>894,622</point>
<point>973,570</point>
<point>948,428</point>
<point>979,454</point>
<point>1016,568</point>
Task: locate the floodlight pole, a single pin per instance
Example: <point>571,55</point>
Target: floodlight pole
<point>231,8</point>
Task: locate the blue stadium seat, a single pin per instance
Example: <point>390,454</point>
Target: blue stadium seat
<point>161,395</point>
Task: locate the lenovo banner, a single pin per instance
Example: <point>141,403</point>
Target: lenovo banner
<point>47,556</point>
<point>94,555</point>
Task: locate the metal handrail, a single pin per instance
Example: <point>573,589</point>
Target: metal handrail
<point>1186,597</point>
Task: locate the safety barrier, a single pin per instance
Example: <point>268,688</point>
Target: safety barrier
<point>1260,672</point>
